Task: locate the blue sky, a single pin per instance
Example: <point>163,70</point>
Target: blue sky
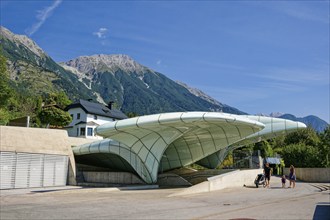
<point>257,56</point>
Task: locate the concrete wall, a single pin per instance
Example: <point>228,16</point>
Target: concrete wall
<point>237,178</point>
<point>34,140</point>
<point>41,141</point>
<point>75,141</point>
<point>171,179</point>
<point>318,175</point>
<point>111,177</point>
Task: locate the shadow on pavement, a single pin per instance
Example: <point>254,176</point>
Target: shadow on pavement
<point>254,187</point>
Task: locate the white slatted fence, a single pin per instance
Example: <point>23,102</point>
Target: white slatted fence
<point>25,170</point>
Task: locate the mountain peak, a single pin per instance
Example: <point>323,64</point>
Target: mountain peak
<point>104,62</point>
<point>22,39</point>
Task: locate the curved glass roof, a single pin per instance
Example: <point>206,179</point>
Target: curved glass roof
<point>161,142</point>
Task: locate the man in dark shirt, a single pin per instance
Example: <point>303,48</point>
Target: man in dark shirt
<point>268,173</point>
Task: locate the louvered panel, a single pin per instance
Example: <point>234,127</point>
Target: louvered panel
<point>61,169</point>
<point>22,170</point>
<point>7,170</point>
<point>49,170</point>
<point>35,170</point>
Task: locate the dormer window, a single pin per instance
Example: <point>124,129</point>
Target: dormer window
<point>95,117</point>
<point>78,116</point>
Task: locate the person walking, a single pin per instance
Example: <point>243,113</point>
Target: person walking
<point>267,173</point>
<point>292,177</point>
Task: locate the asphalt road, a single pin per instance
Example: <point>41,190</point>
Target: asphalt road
<point>304,202</point>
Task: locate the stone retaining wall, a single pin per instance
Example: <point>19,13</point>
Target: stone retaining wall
<point>317,175</point>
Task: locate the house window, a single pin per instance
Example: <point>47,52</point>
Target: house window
<point>89,131</point>
<point>82,131</point>
<point>95,117</point>
<point>78,116</point>
<point>71,116</point>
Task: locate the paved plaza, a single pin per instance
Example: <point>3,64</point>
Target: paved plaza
<point>306,201</point>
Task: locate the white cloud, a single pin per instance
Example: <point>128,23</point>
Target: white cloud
<point>42,16</point>
<point>159,62</point>
<point>101,32</point>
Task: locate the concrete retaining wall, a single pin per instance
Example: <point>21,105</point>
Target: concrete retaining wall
<point>111,177</point>
<point>237,178</point>
<point>317,175</point>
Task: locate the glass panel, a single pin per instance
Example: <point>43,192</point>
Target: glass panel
<point>137,147</point>
<point>150,161</point>
<point>196,150</point>
<point>124,153</point>
<point>143,153</point>
<point>125,138</point>
<point>149,140</point>
<point>158,148</point>
<point>175,163</point>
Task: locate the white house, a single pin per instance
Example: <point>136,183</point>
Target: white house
<point>86,116</point>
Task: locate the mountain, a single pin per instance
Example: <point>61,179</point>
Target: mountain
<point>202,95</point>
<point>33,72</point>
<point>315,122</point>
<point>137,88</point>
<point>104,78</point>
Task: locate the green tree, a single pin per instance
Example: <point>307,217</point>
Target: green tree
<point>228,161</point>
<point>265,148</point>
<point>307,136</point>
<point>132,114</point>
<point>277,144</point>
<point>54,116</point>
<point>324,147</point>
<point>300,155</point>
<point>60,99</point>
<point>5,91</point>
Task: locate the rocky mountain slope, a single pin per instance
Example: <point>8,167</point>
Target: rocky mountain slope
<point>134,87</point>
<point>137,88</point>
<point>33,72</point>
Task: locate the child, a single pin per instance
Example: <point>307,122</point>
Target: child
<point>283,181</point>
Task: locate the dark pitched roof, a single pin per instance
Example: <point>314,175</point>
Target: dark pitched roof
<point>97,109</point>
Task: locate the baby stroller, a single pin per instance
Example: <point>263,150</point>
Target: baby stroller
<point>260,180</point>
